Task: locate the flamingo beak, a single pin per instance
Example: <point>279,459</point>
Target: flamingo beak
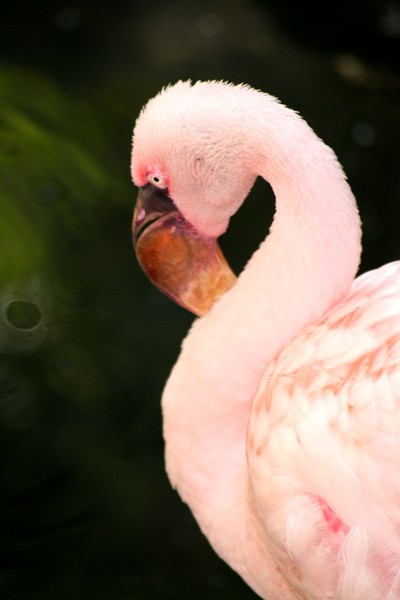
<point>187,266</point>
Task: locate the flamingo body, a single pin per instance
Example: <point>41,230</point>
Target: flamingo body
<point>323,440</point>
<point>282,413</point>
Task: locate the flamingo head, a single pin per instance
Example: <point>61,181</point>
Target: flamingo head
<point>193,167</point>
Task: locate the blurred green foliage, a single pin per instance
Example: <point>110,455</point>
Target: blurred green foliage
<point>49,178</point>
<point>84,500</point>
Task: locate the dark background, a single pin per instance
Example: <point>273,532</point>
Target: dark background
<point>86,343</point>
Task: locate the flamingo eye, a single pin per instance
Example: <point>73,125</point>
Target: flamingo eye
<point>158,180</point>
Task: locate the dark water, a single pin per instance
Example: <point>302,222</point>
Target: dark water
<point>86,343</point>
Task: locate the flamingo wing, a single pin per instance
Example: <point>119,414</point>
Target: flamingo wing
<point>324,447</point>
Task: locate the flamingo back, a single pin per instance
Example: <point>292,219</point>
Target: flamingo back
<point>324,448</point>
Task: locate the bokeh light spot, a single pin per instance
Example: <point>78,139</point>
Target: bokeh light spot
<point>22,314</point>
<point>210,24</point>
<point>68,17</point>
<point>363,134</point>
<point>50,190</point>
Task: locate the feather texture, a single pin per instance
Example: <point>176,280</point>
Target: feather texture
<point>282,413</point>
<point>326,420</point>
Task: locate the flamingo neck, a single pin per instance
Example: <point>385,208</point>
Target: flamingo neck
<point>307,263</point>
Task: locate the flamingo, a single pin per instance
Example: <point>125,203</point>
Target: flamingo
<point>281,417</point>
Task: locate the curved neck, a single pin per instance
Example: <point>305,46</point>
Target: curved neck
<point>307,263</point>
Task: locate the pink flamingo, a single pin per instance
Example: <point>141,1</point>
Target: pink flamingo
<point>282,413</point>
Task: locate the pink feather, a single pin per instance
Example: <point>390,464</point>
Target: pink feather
<point>282,413</point>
